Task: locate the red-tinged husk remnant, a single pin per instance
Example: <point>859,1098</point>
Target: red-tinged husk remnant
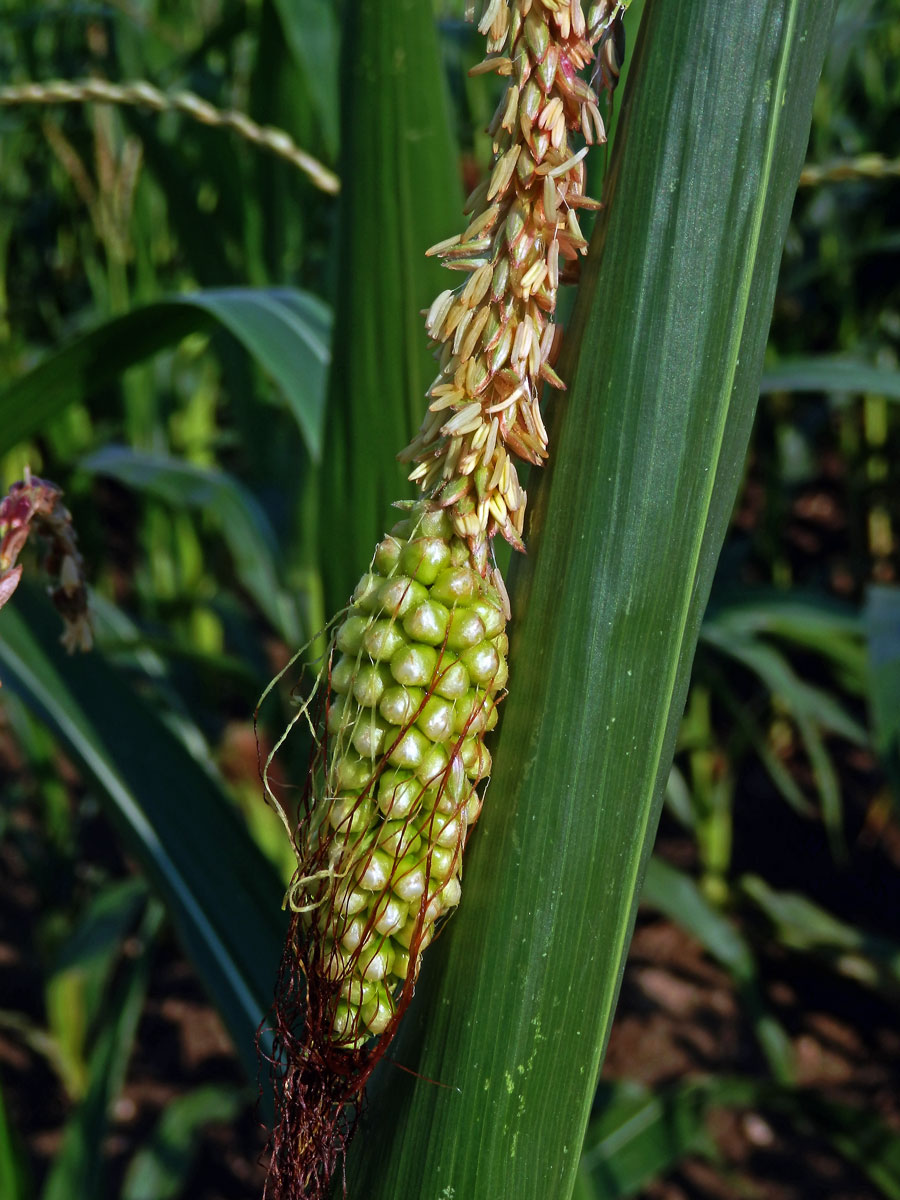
<point>35,506</point>
<point>417,665</point>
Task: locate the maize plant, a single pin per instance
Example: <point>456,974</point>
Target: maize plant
<point>418,662</point>
<point>660,362</point>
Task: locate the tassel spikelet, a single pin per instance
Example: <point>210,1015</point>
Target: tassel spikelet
<point>494,334</point>
<point>417,663</point>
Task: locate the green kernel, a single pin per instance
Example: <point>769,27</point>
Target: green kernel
<point>384,638</point>
<point>401,963</point>
<point>390,915</point>
<point>405,936</point>
<point>414,665</point>
<point>378,1011</point>
<point>441,829</point>
<point>398,838</point>
<point>374,871</point>
<point>342,674</point>
<point>369,735</point>
<point>350,635</point>
<point>410,750</point>
<point>491,614</point>
<point>399,705</point>
<point>424,558</point>
<point>340,716</point>
<point>357,991</point>
<point>345,1022</point>
<point>336,961</point>
<point>454,785</point>
<point>353,773</point>
<point>365,594</point>
<point>369,684</point>
<point>376,960</point>
<point>443,861</point>
<point>501,676</point>
<point>436,524</point>
<point>459,553</point>
<point>387,555</point>
<point>476,712</point>
<point>481,661</point>
<point>427,622</point>
<point>353,934</point>
<point>409,880</point>
<point>452,681</point>
<point>398,794</point>
<point>476,757</point>
<point>473,808</point>
<point>398,595</point>
<point>403,529</point>
<point>349,900</point>
<point>436,719</point>
<point>434,763</point>
<point>445,897</point>
<point>466,629</point>
<point>350,814</point>
<point>455,585</point>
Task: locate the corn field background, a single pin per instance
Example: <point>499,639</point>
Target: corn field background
<point>215,347</point>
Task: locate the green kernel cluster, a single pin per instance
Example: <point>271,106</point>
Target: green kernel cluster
<point>419,662</point>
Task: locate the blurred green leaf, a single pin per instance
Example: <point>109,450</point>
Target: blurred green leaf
<point>286,331</point>
<point>674,893</point>
<point>812,622</point>
<point>642,1133</point>
<point>15,1180</point>
<point>175,818</point>
<point>79,1166</point>
<point>639,1134</point>
<point>514,1003</point>
<point>161,1168</point>
<point>858,1134</point>
<point>801,925</point>
<point>400,193</point>
<point>242,521</point>
<point>748,729</point>
<point>773,668</point>
<point>831,375</point>
<point>311,31</point>
<point>882,620</point>
<point>80,973</point>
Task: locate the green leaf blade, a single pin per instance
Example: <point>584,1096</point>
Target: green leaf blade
<point>220,891</point>
<point>243,522</point>
<point>287,332</point>
<point>400,193</point>
<point>625,535</point>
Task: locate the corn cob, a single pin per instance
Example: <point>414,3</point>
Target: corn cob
<point>419,664</point>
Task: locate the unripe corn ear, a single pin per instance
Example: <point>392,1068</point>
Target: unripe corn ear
<point>414,673</point>
<point>401,764</point>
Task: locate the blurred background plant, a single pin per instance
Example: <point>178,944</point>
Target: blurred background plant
<point>173,299</point>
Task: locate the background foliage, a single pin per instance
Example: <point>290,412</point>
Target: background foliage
<point>171,300</point>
